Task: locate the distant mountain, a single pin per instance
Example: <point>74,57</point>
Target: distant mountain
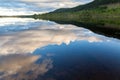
<point>91,5</point>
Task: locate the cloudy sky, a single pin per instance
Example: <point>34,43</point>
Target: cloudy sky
<point>21,7</point>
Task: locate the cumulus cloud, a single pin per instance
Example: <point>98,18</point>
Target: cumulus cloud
<point>55,3</point>
<point>16,7</point>
<point>14,11</point>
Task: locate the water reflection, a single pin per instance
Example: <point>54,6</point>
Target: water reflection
<point>44,50</point>
<point>104,28</point>
<point>18,67</point>
<point>81,60</point>
<point>15,21</point>
<point>17,24</point>
<point>45,34</point>
<point>11,64</point>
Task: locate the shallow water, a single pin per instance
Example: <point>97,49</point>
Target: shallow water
<point>43,50</point>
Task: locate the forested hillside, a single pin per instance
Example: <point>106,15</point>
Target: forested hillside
<point>105,12</point>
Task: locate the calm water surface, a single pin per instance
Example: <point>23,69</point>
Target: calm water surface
<point>43,50</point>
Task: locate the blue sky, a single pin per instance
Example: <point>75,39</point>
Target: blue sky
<point>22,7</point>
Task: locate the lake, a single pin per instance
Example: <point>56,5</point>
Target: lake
<point>44,50</point>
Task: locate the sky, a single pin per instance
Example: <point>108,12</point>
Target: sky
<point>26,7</point>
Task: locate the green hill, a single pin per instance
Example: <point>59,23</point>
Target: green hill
<point>105,12</point>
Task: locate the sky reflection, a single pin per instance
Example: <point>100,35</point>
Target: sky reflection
<point>17,24</point>
<point>42,34</point>
<point>81,60</point>
<point>41,49</point>
<point>18,67</point>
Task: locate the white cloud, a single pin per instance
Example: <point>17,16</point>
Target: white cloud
<point>55,3</point>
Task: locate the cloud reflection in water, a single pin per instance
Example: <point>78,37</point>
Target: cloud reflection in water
<point>47,33</point>
<point>18,67</point>
<point>15,61</point>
